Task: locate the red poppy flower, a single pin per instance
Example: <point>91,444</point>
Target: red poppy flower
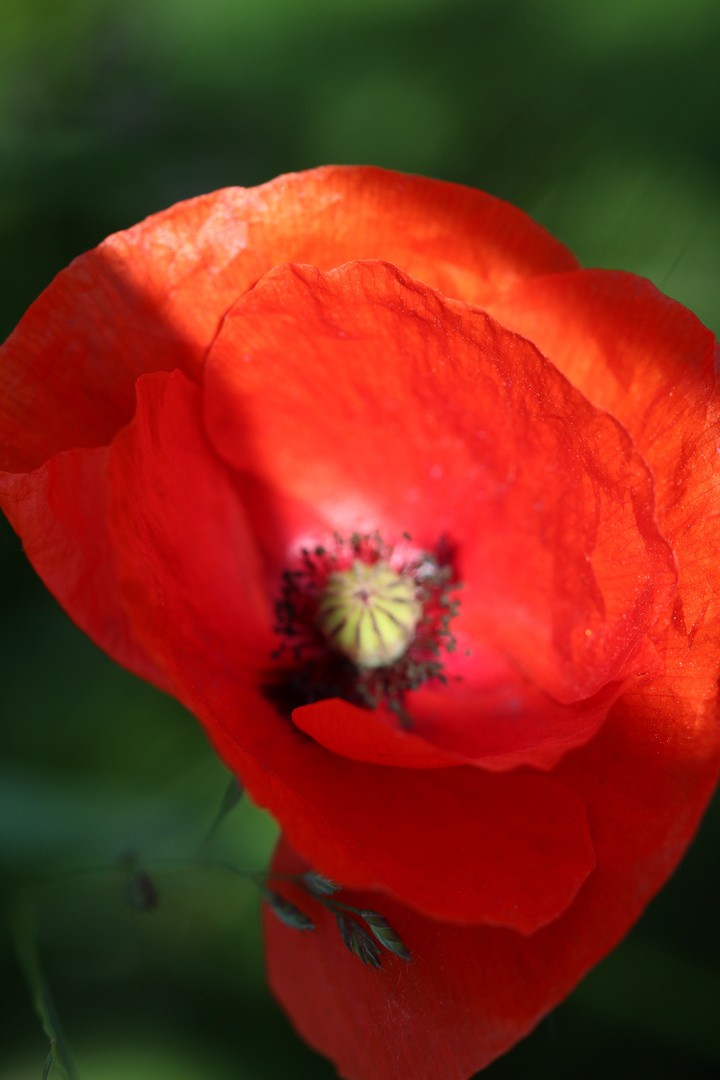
<point>420,520</point>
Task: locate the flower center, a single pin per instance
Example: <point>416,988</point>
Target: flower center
<point>360,620</point>
<point>369,613</point>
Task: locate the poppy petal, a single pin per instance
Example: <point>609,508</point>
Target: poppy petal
<point>471,726</point>
<point>150,298</point>
<point>519,851</point>
<point>371,735</point>
<point>652,363</point>
<point>188,578</point>
<point>470,993</point>
<point>463,242</point>
<point>512,724</point>
<point>188,567</point>
<point>383,405</point>
<point>61,512</point>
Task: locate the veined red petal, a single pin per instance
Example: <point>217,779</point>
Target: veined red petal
<point>471,992</point>
<point>150,298</point>
<point>652,363</point>
<point>461,241</point>
<point>384,406</point>
<point>61,512</point>
<point>372,735</point>
<point>501,725</point>
<point>189,572</point>
<point>468,727</point>
<point>510,725</point>
<point>463,844</point>
<point>188,578</point>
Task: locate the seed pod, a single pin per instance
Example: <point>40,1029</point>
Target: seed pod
<point>385,934</point>
<point>287,912</point>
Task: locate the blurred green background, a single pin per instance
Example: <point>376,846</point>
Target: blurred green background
<point>601,119</point>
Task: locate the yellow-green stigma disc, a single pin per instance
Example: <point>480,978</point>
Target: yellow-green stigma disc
<point>369,613</point>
